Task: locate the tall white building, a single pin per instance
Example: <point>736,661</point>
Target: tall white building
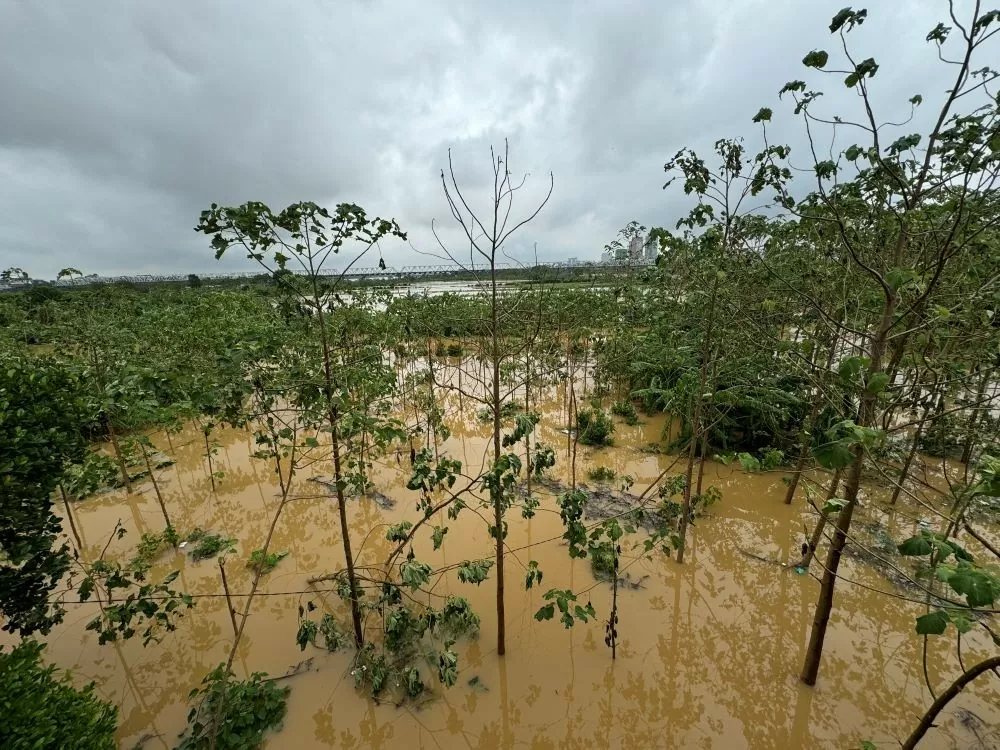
<point>635,248</point>
<point>651,249</point>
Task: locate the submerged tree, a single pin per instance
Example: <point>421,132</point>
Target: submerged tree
<point>303,237</point>
<point>487,235</point>
<point>873,247</point>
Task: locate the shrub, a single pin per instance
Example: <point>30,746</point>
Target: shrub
<point>602,562</point>
<point>625,410</point>
<point>42,710</point>
<point>594,427</point>
<point>207,544</point>
<point>454,350</point>
<point>249,709</point>
<point>601,474</point>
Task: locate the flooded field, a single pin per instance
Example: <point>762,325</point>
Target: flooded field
<point>709,650</point>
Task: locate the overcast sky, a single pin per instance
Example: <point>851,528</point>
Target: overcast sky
<point>120,121</point>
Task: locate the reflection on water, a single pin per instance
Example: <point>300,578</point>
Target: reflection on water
<point>709,651</point>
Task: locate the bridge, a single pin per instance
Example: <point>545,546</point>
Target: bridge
<point>388,273</point>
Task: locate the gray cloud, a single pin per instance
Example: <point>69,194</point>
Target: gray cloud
<point>122,120</point>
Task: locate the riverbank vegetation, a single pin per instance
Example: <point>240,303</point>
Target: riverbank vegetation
<point>827,316</point>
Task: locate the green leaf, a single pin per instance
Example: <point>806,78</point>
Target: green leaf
<point>546,613</point>
<point>979,589</point>
<point>878,382</point>
<point>764,115</point>
<point>815,59</point>
<point>834,505</point>
<point>438,536</point>
<point>933,623</point>
<point>474,571</point>
<point>792,87</point>
<point>833,455</point>
<point>961,622</point>
<point>916,546</point>
<point>415,574</point>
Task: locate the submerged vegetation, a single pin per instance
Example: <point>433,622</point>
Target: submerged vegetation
<point>846,339</point>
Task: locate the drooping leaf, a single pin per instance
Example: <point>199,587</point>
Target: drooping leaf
<point>933,623</point>
<point>916,546</point>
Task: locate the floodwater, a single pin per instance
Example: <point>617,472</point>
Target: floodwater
<point>709,651</point>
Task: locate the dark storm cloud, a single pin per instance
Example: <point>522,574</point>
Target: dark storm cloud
<point>120,121</point>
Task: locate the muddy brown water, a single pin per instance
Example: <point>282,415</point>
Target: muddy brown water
<point>709,651</point>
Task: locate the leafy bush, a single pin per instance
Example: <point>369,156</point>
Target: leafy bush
<point>41,410</point>
<point>602,562</point>
<point>454,350</point>
<point>207,544</point>
<point>601,474</point>
<point>97,472</point>
<point>41,710</point>
<point>150,547</point>
<point>246,709</point>
<point>594,427</point>
<point>625,410</point>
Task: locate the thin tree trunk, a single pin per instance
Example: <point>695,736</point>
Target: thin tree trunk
<point>866,417</point>
<point>614,606</point>
<point>800,465</point>
<point>229,598</point>
<point>208,455</point>
<point>976,411</point>
<point>156,488</point>
<point>696,422</point>
<point>495,490</point>
<point>824,605</point>
<point>119,457</point>
<point>911,454</point>
<point>69,517</point>
<point>701,461</point>
<point>817,534</point>
<point>946,697</point>
<point>333,416</point>
<point>814,413</point>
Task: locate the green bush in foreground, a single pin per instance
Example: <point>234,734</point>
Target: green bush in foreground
<point>41,709</point>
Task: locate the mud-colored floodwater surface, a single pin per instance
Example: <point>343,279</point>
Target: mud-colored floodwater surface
<point>709,653</point>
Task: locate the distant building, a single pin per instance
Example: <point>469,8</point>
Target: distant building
<point>635,248</point>
<point>651,249</point>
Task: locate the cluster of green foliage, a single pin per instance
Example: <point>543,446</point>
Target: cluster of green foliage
<point>260,562</point>
<point>625,410</point>
<point>232,714</point>
<point>601,474</point>
<point>96,472</point>
<point>42,710</point>
<point>207,544</point>
<point>151,545</point>
<point>594,427</point>
<point>41,409</point>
